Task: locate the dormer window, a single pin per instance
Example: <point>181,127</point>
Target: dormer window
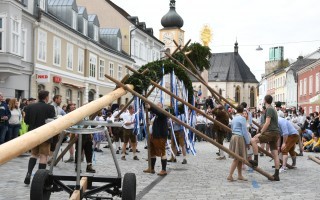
<point>119,44</point>
<point>42,4</point>
<point>95,33</point>
<point>85,27</point>
<point>74,19</point>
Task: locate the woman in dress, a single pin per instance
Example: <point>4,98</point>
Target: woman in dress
<point>239,143</point>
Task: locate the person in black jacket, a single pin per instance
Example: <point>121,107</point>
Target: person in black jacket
<point>5,115</point>
<point>158,140</point>
<point>36,115</point>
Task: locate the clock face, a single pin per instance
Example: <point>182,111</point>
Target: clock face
<point>167,38</point>
<point>181,38</point>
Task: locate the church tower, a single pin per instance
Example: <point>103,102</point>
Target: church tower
<point>172,23</point>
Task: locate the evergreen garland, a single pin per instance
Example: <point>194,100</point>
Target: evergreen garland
<point>142,82</point>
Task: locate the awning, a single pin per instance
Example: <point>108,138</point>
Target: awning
<point>72,85</point>
<point>315,99</point>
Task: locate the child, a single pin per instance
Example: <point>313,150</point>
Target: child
<point>313,145</point>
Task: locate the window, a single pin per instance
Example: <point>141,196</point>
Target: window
<point>95,33</point>
<point>141,51</point>
<point>317,108</point>
<point>42,4</point>
<point>2,32</point>
<point>69,56</point>
<point>310,84</point>
<point>56,91</point>
<point>317,82</point>
<point>79,99</point>
<point>136,48</point>
<point>42,46</point>
<point>69,96</point>
<point>119,72</point>
<point>23,43</point>
<point>80,60</point>
<point>101,69</point>
<point>310,109</point>
<point>237,94</point>
<point>15,34</point>
<point>85,27</point>
<point>305,86</point>
<point>41,87</point>
<point>92,65</point>
<point>74,20</point>
<point>300,88</point>
<point>111,69</point>
<point>119,44</point>
<point>56,51</point>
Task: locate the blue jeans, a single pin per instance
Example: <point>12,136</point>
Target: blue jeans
<point>13,131</point>
<point>3,133</point>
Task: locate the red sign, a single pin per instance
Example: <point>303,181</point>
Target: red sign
<point>57,79</point>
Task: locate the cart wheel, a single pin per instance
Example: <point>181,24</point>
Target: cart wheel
<point>40,186</point>
<point>129,187</point>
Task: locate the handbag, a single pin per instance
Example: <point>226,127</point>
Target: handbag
<point>24,128</point>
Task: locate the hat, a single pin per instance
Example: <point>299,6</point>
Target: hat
<point>278,104</point>
<point>31,99</point>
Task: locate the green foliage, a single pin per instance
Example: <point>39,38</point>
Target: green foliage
<point>283,63</point>
<point>141,82</point>
<point>200,56</point>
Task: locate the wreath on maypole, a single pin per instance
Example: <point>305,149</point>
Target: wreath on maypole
<point>199,56</point>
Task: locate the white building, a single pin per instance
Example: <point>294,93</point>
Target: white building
<point>263,86</point>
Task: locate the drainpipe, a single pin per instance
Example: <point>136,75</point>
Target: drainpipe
<point>131,39</point>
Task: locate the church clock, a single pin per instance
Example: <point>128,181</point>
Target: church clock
<point>167,38</point>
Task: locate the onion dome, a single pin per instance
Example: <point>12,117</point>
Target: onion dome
<point>172,18</point>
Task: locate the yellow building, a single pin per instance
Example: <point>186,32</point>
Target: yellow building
<point>280,85</point>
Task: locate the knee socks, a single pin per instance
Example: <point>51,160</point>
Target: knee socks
<point>164,164</point>
<point>32,163</point>
<point>153,163</point>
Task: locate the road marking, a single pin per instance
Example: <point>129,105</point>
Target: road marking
<point>147,189</point>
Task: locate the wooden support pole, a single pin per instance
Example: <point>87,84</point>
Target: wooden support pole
<point>186,103</point>
<point>314,159</point>
<point>19,145</point>
<point>198,133</point>
<point>76,195</point>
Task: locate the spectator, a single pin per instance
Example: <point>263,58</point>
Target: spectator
<point>5,115</point>
<point>313,145</point>
<point>306,134</point>
<point>15,120</point>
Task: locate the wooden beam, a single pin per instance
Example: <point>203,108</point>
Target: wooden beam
<point>316,160</point>
<point>76,195</point>
<point>31,139</point>
<point>198,133</point>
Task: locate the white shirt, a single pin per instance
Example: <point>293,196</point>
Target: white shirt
<point>16,116</point>
<point>200,119</point>
<point>128,118</point>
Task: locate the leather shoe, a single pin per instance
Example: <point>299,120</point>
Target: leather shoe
<point>151,171</point>
<point>162,173</point>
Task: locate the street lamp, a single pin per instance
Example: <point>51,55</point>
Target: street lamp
<point>259,48</point>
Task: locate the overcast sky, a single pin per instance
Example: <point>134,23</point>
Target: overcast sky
<point>270,23</point>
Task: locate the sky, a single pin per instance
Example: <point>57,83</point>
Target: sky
<point>293,24</point>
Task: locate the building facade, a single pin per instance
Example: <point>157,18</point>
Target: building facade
<point>73,53</point>
<point>263,85</point>
<point>309,87</point>
<point>138,40</point>
<point>231,77</point>
<point>16,47</point>
<point>280,92</point>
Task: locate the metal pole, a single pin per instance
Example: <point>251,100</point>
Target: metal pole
<point>79,161</point>
<point>113,154</point>
<point>56,151</point>
<point>270,177</point>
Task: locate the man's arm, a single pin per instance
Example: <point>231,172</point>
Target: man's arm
<point>266,124</point>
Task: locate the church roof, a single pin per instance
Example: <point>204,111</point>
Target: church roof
<point>229,67</point>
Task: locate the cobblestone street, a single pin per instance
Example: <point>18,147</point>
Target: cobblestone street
<point>202,178</point>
